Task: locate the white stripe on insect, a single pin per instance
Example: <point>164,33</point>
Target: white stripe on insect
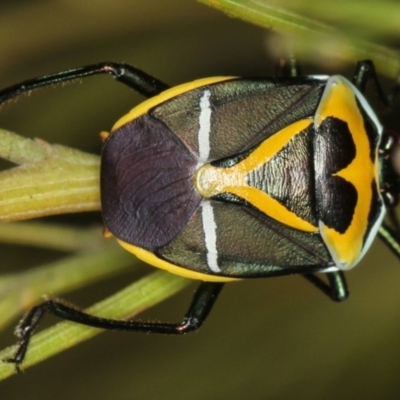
<point>207,211</point>
<point>204,126</point>
<point>210,235</point>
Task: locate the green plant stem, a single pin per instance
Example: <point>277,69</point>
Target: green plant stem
<point>52,179</point>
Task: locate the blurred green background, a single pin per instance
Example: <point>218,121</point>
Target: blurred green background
<point>277,338</point>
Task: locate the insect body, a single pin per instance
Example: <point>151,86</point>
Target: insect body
<point>230,178</point>
<point>219,182</point>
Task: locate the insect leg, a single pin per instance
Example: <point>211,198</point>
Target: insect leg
<point>336,289</point>
<point>287,64</point>
<point>132,77</point>
<point>365,70</point>
<point>200,307</point>
<point>390,238</point>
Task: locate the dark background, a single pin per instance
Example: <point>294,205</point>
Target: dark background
<point>277,338</point>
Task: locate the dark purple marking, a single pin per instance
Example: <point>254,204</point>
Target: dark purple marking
<point>147,191</point>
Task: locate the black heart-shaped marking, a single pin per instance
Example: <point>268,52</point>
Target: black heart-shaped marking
<point>334,150</point>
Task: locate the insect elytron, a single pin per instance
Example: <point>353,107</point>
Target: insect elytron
<point>230,178</point>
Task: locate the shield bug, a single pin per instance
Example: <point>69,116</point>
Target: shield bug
<point>230,178</point>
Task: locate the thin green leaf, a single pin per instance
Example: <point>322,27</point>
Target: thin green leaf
<point>51,236</point>
<point>310,36</point>
<point>21,291</point>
